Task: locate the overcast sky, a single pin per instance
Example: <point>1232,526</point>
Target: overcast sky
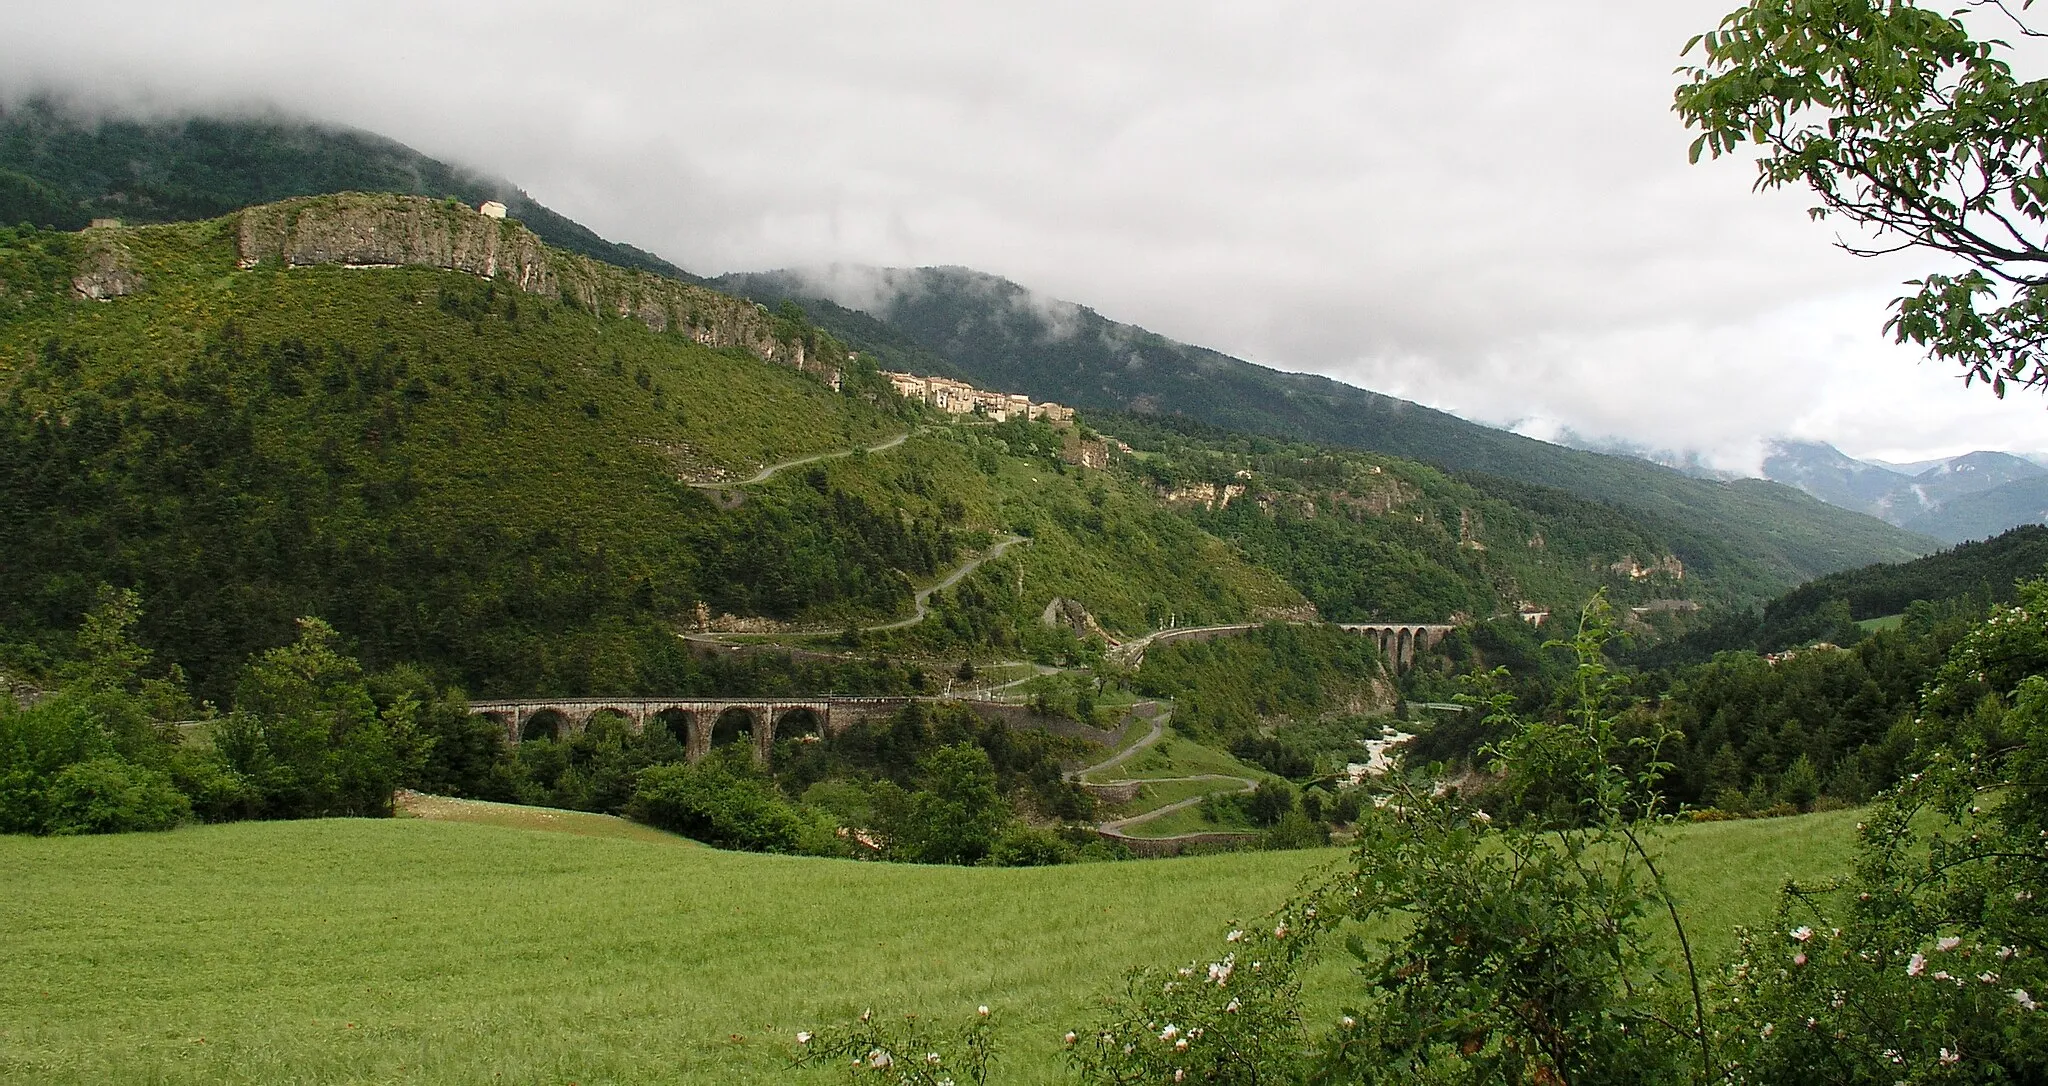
<point>1485,207</point>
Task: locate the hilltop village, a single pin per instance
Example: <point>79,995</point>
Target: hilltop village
<point>961,398</point>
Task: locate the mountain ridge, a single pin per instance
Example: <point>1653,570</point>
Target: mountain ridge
<point>990,330</point>
<point>59,170</point>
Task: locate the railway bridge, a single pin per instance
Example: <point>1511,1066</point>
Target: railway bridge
<point>696,723</point>
<point>1399,642</point>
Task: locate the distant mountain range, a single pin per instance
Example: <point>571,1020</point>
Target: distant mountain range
<point>56,170</point>
<point>1973,496</point>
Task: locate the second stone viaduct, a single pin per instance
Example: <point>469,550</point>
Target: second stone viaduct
<point>1399,642</point>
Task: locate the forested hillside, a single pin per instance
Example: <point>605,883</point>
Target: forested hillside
<point>490,482</point>
<point>1809,699</point>
<point>992,331</point>
<point>1372,537</point>
<point>1972,575</point>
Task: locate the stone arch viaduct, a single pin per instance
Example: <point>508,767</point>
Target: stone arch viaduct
<point>1399,642</point>
<point>695,720</point>
<point>692,720</point>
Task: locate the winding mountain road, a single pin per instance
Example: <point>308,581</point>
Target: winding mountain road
<point>1117,826</point>
<point>771,470</point>
<point>921,600</point>
<point>923,597</point>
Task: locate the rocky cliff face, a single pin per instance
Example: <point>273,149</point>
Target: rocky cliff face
<point>107,270</point>
<point>366,230</point>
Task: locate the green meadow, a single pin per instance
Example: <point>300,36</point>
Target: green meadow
<point>416,950</point>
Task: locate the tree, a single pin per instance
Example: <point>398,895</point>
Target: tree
<point>1915,131</point>
<point>955,816</point>
<point>307,732</point>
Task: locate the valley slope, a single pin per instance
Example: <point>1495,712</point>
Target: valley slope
<point>498,477</point>
<point>995,332</point>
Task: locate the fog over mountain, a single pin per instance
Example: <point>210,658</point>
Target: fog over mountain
<point>1487,211</point>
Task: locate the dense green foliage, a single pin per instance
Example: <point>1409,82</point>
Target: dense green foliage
<point>58,171</point>
<point>1369,537</point>
<point>1226,689</point>
<point>1759,538</point>
<point>933,784</point>
<point>719,804</point>
<point>1767,712</point>
<point>1980,573</point>
<point>1761,733</point>
<point>310,735</point>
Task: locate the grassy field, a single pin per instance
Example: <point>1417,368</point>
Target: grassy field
<point>414,950</point>
<point>1884,622</point>
<point>1175,756</point>
<point>1187,820</point>
<point>520,816</point>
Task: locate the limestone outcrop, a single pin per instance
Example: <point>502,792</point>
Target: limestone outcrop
<point>373,230</point>
<point>107,270</point>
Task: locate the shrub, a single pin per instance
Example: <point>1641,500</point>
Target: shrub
<point>1029,846</point>
<point>107,795</point>
<point>1268,803</point>
<point>310,738</point>
<point>36,744</point>
<point>216,791</point>
<point>1296,829</point>
<point>955,815</point>
<point>709,802</point>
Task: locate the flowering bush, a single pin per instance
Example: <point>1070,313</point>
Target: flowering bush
<point>907,1053</point>
<point>1234,1018</point>
<point>1926,964</point>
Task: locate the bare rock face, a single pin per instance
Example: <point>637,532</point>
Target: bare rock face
<point>371,230</point>
<point>359,230</point>
<point>1634,569</point>
<point>1071,614</point>
<point>108,270</point>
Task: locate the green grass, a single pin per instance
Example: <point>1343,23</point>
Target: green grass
<point>1886,622</point>
<point>519,816</point>
<point>417,951</point>
<point>1177,756</point>
<point>1151,797</point>
<point>1188,820</point>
